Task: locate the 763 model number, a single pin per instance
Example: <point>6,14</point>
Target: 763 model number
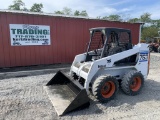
<point>143,56</point>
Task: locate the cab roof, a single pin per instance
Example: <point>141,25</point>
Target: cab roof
<point>110,29</point>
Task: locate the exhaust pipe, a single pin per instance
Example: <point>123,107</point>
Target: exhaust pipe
<point>66,94</point>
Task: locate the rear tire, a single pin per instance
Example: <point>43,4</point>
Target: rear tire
<point>105,88</point>
<point>132,83</point>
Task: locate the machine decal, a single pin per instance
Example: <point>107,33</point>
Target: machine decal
<point>109,61</point>
<point>101,66</point>
<point>143,56</point>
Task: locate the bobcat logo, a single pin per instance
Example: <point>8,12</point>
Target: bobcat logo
<point>109,61</point>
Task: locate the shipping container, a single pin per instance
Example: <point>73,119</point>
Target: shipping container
<point>68,37</point>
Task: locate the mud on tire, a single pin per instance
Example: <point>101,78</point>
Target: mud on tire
<point>132,83</point>
<point>105,88</point>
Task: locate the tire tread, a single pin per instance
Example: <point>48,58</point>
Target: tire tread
<point>98,83</point>
<point>126,80</point>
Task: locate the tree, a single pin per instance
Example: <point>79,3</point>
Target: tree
<point>125,17</point>
<point>156,23</point>
<point>149,32</point>
<point>76,13</point>
<point>36,7</point>
<point>25,9</point>
<point>83,13</point>
<point>113,17</point>
<point>58,12</point>
<point>67,11</point>
<point>17,4</point>
<point>134,20</point>
<point>146,17</point>
<point>99,17</point>
<point>105,17</point>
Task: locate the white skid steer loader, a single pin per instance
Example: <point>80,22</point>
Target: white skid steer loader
<point>110,59</point>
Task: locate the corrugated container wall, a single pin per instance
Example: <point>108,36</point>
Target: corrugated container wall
<point>68,38</point>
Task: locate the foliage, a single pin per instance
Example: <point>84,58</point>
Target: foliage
<point>99,17</point>
<point>113,17</point>
<point>67,11</point>
<point>20,5</point>
<point>146,17</point>
<point>83,13</point>
<point>149,32</point>
<point>156,23</point>
<point>76,13</point>
<point>134,20</point>
<point>58,12</point>
<point>17,4</point>
<point>25,9</point>
<point>105,18</point>
<point>36,7</point>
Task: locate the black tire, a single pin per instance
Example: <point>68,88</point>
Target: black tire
<point>159,49</point>
<point>105,88</point>
<point>132,83</point>
<point>114,50</point>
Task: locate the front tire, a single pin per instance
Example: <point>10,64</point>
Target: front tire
<point>132,83</point>
<point>105,88</point>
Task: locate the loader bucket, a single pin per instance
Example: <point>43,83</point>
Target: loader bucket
<point>66,94</point>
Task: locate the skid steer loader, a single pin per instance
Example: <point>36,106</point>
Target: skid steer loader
<point>110,59</point>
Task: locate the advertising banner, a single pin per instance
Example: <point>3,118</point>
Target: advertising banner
<point>24,35</point>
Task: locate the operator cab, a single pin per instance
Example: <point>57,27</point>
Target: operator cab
<point>106,41</point>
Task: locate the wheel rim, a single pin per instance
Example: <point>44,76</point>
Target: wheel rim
<point>136,84</point>
<point>108,89</point>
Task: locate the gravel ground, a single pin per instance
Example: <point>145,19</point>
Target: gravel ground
<point>24,99</point>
